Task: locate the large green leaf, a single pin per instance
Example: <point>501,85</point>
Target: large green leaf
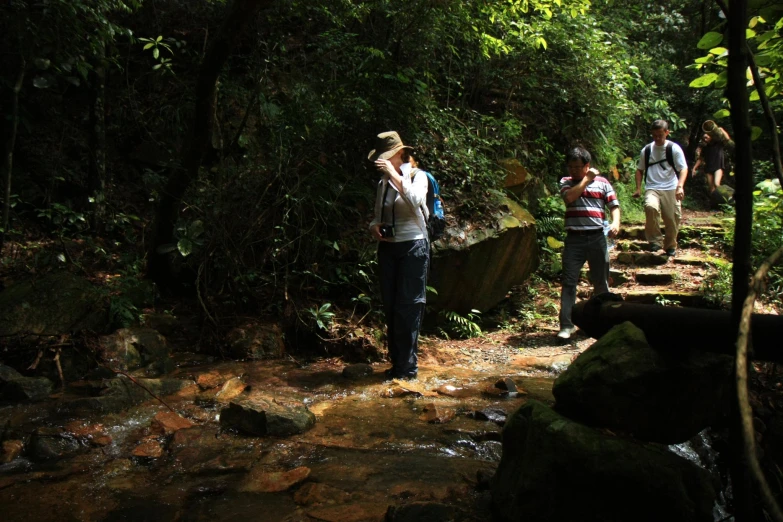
<point>755,132</point>
<point>185,246</point>
<point>723,113</point>
<point>704,81</point>
<point>710,40</point>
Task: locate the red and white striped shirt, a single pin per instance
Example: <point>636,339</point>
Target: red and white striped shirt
<point>588,212</point>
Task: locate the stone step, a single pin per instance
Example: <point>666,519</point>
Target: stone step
<point>626,245</point>
<point>641,259</point>
<point>654,295</point>
<point>655,277</point>
<point>616,277</point>
<point>690,261</point>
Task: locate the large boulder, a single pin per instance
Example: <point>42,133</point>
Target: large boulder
<point>262,415</point>
<point>556,469</point>
<point>476,269</point>
<point>130,349</point>
<point>622,384</point>
<point>53,304</point>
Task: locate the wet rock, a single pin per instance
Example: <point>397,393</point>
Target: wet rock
<point>403,388</point>
<point>622,384</point>
<point>53,304</point>
<point>315,493</point>
<point>10,450</point>
<point>506,384</point>
<point>256,341</point>
<point>27,389</point>
<point>210,380</point>
<point>122,393</point>
<point>348,513</point>
<point>452,391</point>
<point>358,371</point>
<point>132,348</point>
<point>495,415</point>
<point>88,433</point>
<point>260,480</point>
<point>167,423</point>
<point>50,444</point>
<point>436,414</point>
<point>166,324</point>
<point>148,449</point>
<point>8,374</point>
<point>484,479</point>
<point>573,472</point>
<point>259,415</point>
<point>424,512</point>
<point>222,464</point>
<point>231,389</point>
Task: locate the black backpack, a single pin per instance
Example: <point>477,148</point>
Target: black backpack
<point>669,158</point>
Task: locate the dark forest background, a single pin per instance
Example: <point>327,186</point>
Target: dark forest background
<point>218,149</point>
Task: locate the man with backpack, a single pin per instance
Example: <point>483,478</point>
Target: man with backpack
<point>663,166</point>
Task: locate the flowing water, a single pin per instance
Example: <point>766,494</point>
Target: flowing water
<point>366,452</point>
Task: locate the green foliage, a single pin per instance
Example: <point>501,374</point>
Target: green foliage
<point>321,316</point>
<point>463,327</point>
<point>717,286</point>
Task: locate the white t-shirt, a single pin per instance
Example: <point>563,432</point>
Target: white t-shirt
<point>663,176</point>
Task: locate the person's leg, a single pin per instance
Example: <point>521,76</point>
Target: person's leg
<point>710,181</point>
<point>718,178</point>
<point>409,305</point>
<point>574,257</point>
<point>598,262</point>
<point>671,214</point>
<point>652,223</point>
<point>387,266</point>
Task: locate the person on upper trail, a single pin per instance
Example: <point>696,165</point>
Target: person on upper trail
<point>711,153</point>
<point>400,227</point>
<point>586,195</point>
<point>663,165</point>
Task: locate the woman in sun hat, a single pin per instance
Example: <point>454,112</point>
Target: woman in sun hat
<point>403,250</point>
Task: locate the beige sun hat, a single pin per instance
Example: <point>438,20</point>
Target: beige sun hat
<point>387,144</point>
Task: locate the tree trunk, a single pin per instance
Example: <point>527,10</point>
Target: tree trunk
<point>9,151</point>
<point>743,195</point>
<point>97,182</point>
<point>240,14</point>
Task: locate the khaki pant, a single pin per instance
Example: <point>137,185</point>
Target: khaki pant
<point>661,204</point>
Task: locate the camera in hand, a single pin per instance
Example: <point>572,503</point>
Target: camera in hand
<point>386,230</point>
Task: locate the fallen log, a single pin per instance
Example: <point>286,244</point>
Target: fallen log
<point>675,328</point>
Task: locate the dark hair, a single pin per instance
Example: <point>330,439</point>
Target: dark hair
<point>407,157</point>
<point>660,124</point>
<point>578,154</point>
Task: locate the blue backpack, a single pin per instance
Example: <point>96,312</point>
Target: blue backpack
<point>436,224</point>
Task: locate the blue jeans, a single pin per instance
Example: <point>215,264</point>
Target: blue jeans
<point>578,249</point>
<point>403,268</point>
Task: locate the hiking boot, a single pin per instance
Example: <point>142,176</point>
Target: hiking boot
<point>566,333</point>
<point>670,252</point>
<point>652,247</point>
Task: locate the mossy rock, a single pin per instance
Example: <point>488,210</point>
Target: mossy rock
<point>54,304</point>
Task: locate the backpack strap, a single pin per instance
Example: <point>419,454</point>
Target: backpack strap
<point>668,158</point>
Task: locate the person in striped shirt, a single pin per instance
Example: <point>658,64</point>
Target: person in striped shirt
<point>586,195</point>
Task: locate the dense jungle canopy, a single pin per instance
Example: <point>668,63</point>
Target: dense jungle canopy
<point>220,147</point>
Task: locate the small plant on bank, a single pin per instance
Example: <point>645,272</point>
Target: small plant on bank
<point>321,316</point>
<point>462,327</point>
